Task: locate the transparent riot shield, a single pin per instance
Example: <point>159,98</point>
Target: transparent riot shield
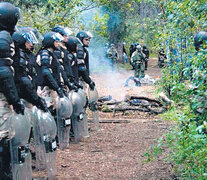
<point>22,127</point>
<point>78,103</point>
<point>64,109</point>
<point>38,142</point>
<point>45,129</point>
<point>48,130</point>
<point>28,156</point>
<point>92,101</point>
<point>84,124</point>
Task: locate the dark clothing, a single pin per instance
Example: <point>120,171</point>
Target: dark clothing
<point>83,64</point>
<point>62,56</point>
<point>23,78</point>
<point>50,70</point>
<point>32,67</point>
<point>161,58</point>
<point>146,52</point>
<point>8,87</point>
<point>74,66</point>
<point>132,49</point>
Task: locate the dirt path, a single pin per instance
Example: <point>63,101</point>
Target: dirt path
<point>117,151</point>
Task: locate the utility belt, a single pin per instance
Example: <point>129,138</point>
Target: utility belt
<point>5,62</point>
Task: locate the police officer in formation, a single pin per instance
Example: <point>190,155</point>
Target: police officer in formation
<point>29,81</point>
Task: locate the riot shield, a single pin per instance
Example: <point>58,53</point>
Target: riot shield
<point>48,131</point>
<point>64,111</point>
<point>40,163</point>
<point>78,103</point>
<point>84,123</point>
<point>22,127</point>
<point>92,101</point>
<point>45,129</point>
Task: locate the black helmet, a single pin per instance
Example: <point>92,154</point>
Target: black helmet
<point>83,34</point>
<point>5,42</point>
<point>27,29</point>
<point>9,15</point>
<point>71,44</point>
<point>200,39</point>
<point>144,46</point>
<point>20,39</point>
<point>64,31</point>
<point>50,38</point>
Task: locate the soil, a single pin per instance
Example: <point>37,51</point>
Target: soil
<point>116,151</point>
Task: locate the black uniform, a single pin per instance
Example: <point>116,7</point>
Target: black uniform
<point>65,67</point>
<point>83,60</point>
<point>146,52</point>
<point>23,80</point>
<point>9,95</point>
<point>8,87</point>
<point>83,64</point>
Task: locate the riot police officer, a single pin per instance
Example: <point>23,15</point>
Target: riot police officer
<point>8,92</point>
<point>50,70</point>
<point>63,57</point>
<point>72,47</point>
<point>83,57</point>
<point>24,69</point>
<point>50,88</point>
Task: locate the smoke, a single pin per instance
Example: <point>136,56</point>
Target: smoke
<point>109,81</point>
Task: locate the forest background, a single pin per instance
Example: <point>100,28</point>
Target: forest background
<point>167,24</point>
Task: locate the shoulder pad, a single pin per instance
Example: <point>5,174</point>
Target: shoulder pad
<point>22,55</point>
<point>70,56</point>
<point>44,53</point>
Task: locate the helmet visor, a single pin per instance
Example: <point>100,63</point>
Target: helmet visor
<point>30,36</point>
<point>68,31</point>
<point>58,37</point>
<point>89,34</point>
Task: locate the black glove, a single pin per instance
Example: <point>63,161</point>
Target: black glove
<point>79,85</point>
<point>42,105</point>
<point>72,86</point>
<point>92,85</point>
<point>60,92</point>
<point>19,107</point>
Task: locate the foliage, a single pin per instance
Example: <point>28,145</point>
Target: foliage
<point>184,81</point>
<point>44,15</point>
<point>188,147</point>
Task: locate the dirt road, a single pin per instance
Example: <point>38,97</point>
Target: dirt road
<point>117,151</point>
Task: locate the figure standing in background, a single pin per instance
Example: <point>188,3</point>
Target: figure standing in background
<point>161,58</point>
<point>125,53</point>
<point>146,53</point>
<point>112,55</point>
<point>138,59</point>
